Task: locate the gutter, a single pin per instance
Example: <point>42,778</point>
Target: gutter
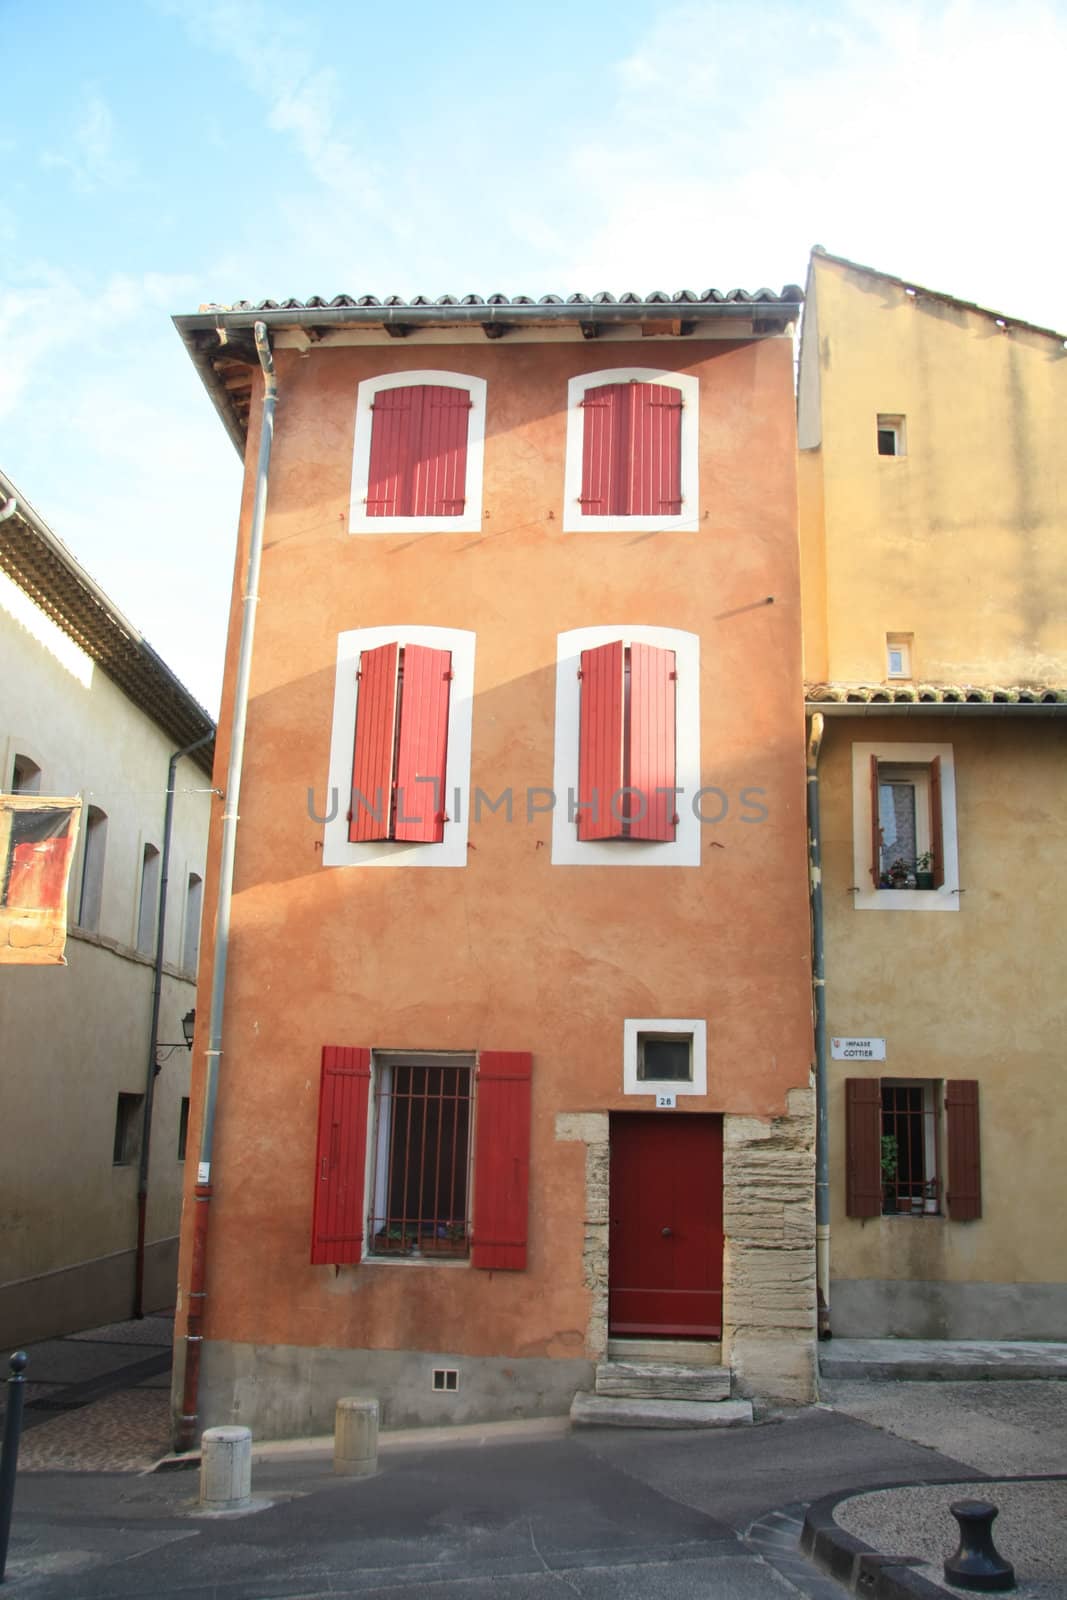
<point>818,985</point>
<point>153,1032</point>
<point>203,1191</point>
<point>936,708</point>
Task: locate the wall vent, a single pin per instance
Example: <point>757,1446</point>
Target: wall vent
<point>445,1380</point>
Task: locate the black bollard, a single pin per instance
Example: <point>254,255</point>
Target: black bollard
<point>9,1455</point>
<point>977,1564</point>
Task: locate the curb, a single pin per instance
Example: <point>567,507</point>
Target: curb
<point>856,1565</point>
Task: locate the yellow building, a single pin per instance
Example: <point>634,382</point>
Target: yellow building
<point>934,569</point>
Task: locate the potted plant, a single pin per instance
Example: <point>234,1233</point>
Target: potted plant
<point>924,870</point>
<point>394,1241</point>
<point>446,1239</point>
<point>889,1170</point>
<point>899,873</point>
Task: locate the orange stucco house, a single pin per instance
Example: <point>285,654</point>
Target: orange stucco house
<point>515,1069</point>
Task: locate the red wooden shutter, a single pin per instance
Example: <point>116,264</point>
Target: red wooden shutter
<point>603,440</point>
<point>395,415</point>
<point>340,1157</point>
<point>876,827</point>
<point>501,1160</point>
<point>372,757</point>
<point>655,450</point>
<point>440,477</point>
<point>600,742</point>
<point>937,828</point>
<point>423,745</point>
<point>652,733</point>
<point>964,1150</point>
<point>863,1147</point>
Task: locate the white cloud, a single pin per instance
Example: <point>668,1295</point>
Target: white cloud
<point>897,136</point>
<point>92,158</point>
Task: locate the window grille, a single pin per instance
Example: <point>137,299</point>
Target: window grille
<point>421,1181</point>
<point>910,1182</point>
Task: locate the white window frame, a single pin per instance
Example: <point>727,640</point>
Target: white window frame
<point>632,1030</point>
<point>375,1184</point>
<point>337,849</point>
<point>687,519</point>
<point>684,849</point>
<point>865,896</point>
<point>896,424</point>
<point>903,647</point>
<point>470,519</point>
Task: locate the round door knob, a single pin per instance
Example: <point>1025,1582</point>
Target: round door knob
<point>667,1232</point>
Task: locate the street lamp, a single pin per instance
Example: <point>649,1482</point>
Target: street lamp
<point>186,1041</point>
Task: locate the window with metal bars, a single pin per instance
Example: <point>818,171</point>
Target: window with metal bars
<point>420,1197</point>
<point>910,1182</point>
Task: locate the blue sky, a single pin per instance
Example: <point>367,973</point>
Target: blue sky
<point>157,154</point>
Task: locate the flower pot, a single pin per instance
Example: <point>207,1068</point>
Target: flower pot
<point>442,1247</point>
<point>924,880</point>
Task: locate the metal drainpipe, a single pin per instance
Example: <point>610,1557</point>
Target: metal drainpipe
<point>194,1335</point>
<point>153,1032</point>
<point>818,980</point>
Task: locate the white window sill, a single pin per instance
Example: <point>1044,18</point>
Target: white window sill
<point>907,900</point>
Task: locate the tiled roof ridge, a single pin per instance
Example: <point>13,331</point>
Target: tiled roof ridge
<point>933,694</point>
<point>791,294</point>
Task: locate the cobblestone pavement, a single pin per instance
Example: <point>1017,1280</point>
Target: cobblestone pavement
<point>98,1400</point>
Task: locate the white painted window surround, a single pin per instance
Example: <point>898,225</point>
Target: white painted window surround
<point>470,519</point>
<point>695,1027</point>
<point>337,851</point>
<point>687,519</point>
<point>684,849</point>
<point>866,897</point>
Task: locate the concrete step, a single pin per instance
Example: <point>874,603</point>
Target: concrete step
<point>614,1411</point>
<point>941,1360</point>
<point>663,1380</point>
<point>689,1352</point>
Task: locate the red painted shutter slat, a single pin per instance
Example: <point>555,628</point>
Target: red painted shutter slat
<point>423,745</point>
<point>863,1147</point>
<point>501,1160</point>
<point>394,422</point>
<point>440,477</point>
<point>655,450</point>
<point>876,828</point>
<point>652,741</point>
<point>600,742</point>
<point>372,756</point>
<point>604,413</point>
<point>964,1150</point>
<point>937,828</point>
<point>340,1157</point>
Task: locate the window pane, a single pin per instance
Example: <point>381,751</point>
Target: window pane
<point>424,1145</point>
<point>896,818</point>
<point>667,1060</point>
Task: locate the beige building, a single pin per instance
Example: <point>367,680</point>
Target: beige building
<point>87,708</point>
<point>933,485</point>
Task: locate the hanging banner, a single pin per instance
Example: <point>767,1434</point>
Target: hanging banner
<point>37,839</point>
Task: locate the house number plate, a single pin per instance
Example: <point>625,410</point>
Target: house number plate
<point>666,1100</point>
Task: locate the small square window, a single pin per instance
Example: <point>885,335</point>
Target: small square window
<point>898,655</point>
<point>445,1380</point>
<point>127,1129</point>
<point>891,440</point>
<point>665,1059</point>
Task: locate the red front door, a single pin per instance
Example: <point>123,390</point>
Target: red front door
<point>666,1226</point>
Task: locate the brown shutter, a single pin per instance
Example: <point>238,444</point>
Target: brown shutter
<point>964,1151</point>
<point>863,1147</point>
<point>937,827</point>
<point>876,831</point>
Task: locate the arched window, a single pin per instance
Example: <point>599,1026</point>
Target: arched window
<point>417,457</point>
<point>194,899</point>
<point>149,901</point>
<point>92,888</point>
<point>631,451</point>
<point>25,776</point>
